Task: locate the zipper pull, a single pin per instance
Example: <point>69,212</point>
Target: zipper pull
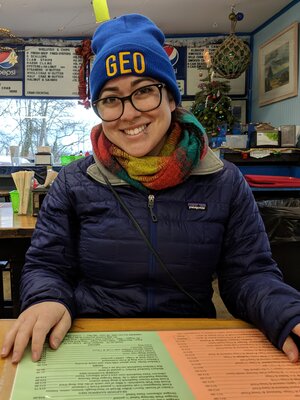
<point>151,206</point>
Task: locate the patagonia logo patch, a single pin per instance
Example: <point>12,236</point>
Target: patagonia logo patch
<point>197,206</point>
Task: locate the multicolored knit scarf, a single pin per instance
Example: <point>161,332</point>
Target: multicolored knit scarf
<point>186,144</point>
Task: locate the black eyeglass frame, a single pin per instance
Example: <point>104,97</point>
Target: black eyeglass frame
<point>160,86</point>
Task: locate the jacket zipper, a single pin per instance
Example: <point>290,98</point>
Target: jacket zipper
<point>151,200</point>
<point>152,238</point>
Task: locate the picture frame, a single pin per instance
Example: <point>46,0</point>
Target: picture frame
<point>278,66</point>
<point>239,110</point>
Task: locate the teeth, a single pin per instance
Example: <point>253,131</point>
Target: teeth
<point>136,131</point>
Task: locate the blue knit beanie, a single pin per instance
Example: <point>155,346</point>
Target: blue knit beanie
<point>130,45</point>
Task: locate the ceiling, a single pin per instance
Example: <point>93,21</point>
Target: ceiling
<point>75,18</point>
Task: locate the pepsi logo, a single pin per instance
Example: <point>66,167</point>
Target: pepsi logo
<point>8,58</point>
<point>172,53</point>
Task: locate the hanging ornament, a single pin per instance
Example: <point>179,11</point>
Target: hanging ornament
<point>232,57</point>
<point>206,57</point>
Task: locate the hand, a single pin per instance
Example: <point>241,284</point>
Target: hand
<point>36,322</point>
<point>289,346</point>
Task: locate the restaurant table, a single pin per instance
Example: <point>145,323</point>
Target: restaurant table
<point>7,369</point>
<point>15,236</point>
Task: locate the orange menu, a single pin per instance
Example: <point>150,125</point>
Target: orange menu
<point>216,364</point>
<point>233,364</point>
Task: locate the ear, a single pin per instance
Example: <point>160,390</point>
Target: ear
<point>172,103</point>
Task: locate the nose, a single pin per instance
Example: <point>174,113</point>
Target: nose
<point>129,112</point>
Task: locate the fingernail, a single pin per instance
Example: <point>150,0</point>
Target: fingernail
<point>35,356</point>
<point>56,342</point>
<point>14,357</point>
<point>3,352</point>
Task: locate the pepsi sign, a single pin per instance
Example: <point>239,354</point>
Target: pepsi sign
<point>10,65</point>
<point>177,57</point>
<point>172,53</point>
<point>8,58</point>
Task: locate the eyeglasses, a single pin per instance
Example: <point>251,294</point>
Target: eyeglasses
<point>145,98</point>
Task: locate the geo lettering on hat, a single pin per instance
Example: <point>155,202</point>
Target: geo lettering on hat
<point>125,62</point>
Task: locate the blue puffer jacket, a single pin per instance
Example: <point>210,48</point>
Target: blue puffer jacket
<point>86,253</point>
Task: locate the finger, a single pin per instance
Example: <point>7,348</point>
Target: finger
<point>290,349</point>
<point>39,333</point>
<point>60,330</point>
<point>9,339</point>
<point>296,330</point>
<point>22,338</point>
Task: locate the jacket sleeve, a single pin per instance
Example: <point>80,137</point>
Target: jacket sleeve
<point>50,269</point>
<point>251,284</point>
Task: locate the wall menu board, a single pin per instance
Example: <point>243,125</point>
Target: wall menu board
<point>51,71</point>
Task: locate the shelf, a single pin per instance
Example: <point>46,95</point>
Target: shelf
<point>282,157</point>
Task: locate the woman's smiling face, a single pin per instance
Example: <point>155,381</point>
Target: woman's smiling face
<point>138,133</point>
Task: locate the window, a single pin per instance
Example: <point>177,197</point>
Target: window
<point>64,125</point>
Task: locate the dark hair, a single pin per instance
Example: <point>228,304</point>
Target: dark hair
<point>177,113</point>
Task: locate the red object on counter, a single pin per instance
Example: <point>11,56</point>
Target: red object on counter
<point>272,181</point>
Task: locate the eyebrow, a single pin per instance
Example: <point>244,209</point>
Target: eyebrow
<point>133,84</point>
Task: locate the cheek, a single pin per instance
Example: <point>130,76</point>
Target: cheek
<point>166,114</point>
<point>168,104</point>
<point>108,128</point>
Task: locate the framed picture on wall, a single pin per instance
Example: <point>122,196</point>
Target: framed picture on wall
<point>239,110</point>
<point>278,66</point>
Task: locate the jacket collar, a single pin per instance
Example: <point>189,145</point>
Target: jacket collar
<point>208,165</point>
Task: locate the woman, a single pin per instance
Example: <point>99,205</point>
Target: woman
<point>141,228</point>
